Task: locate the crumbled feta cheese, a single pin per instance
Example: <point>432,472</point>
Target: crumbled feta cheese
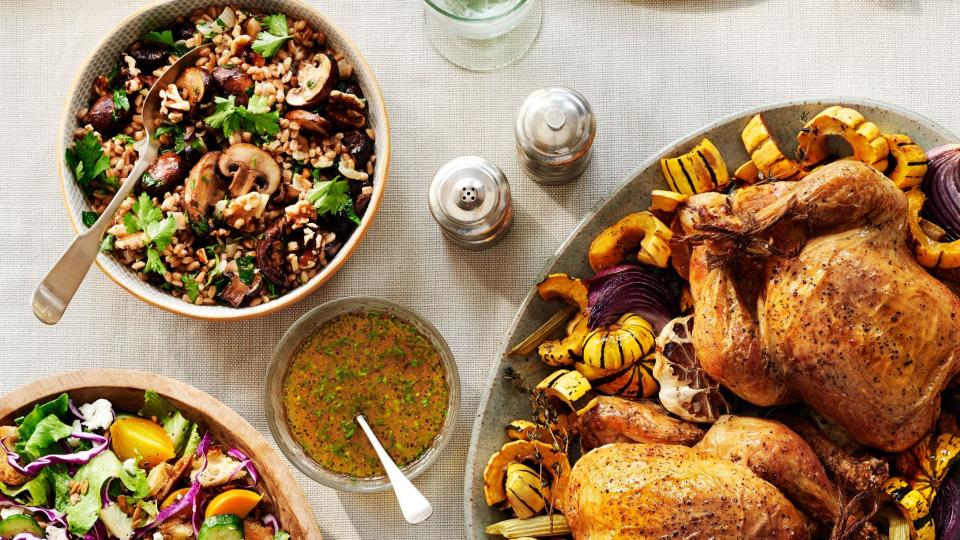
<point>130,466</point>
<point>73,441</point>
<point>56,533</point>
<point>157,536</point>
<point>7,512</point>
<point>97,415</point>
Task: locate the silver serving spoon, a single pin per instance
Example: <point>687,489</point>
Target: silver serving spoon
<point>413,504</point>
<point>54,293</point>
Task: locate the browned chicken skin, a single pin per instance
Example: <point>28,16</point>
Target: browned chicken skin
<point>640,491</point>
<point>842,317</point>
<point>778,455</point>
<point>613,419</point>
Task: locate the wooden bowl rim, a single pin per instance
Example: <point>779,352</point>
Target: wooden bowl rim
<point>269,462</point>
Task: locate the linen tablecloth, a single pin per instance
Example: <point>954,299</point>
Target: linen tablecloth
<point>652,70</point>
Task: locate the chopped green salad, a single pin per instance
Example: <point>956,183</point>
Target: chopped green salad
<point>89,472</point>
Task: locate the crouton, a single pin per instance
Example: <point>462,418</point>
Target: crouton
<point>253,530</point>
<point>220,469</point>
<point>9,475</point>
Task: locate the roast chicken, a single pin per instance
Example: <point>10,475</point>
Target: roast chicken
<point>807,291</point>
<point>642,490</point>
<point>659,486</point>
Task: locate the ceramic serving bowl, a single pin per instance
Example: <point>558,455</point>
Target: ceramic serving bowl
<point>280,363</point>
<point>101,60</point>
<point>125,388</point>
<point>501,403</point>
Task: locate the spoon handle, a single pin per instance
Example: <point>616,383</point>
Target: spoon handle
<point>53,294</point>
<point>413,504</point>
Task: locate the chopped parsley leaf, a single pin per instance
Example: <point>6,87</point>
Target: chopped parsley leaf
<point>179,144</point>
<point>245,269</point>
<point>332,197</point>
<point>88,162</point>
<point>256,117</point>
<point>191,286</point>
<point>120,102</point>
<point>277,33</point>
<point>124,139</point>
<point>89,218</point>
<point>164,38</point>
<point>107,243</point>
<point>147,217</point>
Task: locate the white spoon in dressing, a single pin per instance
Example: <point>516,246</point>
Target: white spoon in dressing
<point>413,504</point>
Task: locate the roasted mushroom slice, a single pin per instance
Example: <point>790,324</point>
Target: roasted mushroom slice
<point>311,122</point>
<point>315,80</point>
<point>270,269</point>
<point>104,116</point>
<point>193,83</point>
<point>149,58</point>
<point>359,146</point>
<point>234,82</point>
<point>166,172</point>
<point>250,168</point>
<point>237,291</point>
<point>201,187</point>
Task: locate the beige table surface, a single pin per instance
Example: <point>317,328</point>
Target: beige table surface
<point>652,70</point>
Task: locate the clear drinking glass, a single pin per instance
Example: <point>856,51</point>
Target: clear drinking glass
<point>482,35</point>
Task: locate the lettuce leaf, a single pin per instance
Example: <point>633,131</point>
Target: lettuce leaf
<point>83,514</point>
<point>37,490</point>
<point>44,438</point>
<point>28,423</point>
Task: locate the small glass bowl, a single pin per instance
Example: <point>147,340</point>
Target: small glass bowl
<point>280,363</point>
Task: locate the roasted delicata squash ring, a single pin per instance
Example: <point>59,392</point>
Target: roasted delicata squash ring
<point>566,350</point>
<point>666,201</point>
<point>933,456</point>
<point>748,173</point>
<point>525,430</point>
<point>642,230</point>
<point>566,385</point>
<point>929,252</point>
<point>699,170</point>
<point>554,462</point>
<point>909,161</point>
<point>765,154</point>
<point>620,344</point>
<point>634,381</point>
<point>864,137</point>
<point>526,493</point>
<point>563,287</point>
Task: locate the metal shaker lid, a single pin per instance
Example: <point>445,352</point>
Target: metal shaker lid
<point>470,200</point>
<point>555,127</point>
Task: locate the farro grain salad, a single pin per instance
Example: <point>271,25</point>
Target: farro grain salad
<point>89,472</point>
<point>266,163</point>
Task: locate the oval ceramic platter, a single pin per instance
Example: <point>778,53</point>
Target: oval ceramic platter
<point>502,403</point>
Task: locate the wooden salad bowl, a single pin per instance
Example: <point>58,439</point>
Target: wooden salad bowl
<point>126,387</point>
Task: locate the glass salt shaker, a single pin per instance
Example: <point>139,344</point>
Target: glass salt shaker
<point>470,200</point>
<point>555,132</point>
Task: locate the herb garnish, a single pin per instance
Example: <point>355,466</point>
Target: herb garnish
<point>147,217</point>
<point>256,117</point>
<point>333,197</point>
<point>89,218</point>
<point>191,286</point>
<point>164,38</point>
<point>245,269</point>
<point>88,162</point>
<point>120,102</point>
<point>124,139</point>
<point>179,144</point>
<point>270,40</point>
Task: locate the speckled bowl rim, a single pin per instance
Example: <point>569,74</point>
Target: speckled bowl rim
<point>291,341</point>
<point>471,529</point>
<point>210,313</point>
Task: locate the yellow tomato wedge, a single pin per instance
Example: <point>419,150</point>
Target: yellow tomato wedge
<point>238,502</point>
<point>138,437</point>
<point>174,497</point>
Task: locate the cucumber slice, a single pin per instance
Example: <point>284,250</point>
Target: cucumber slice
<point>19,524</point>
<point>221,527</point>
